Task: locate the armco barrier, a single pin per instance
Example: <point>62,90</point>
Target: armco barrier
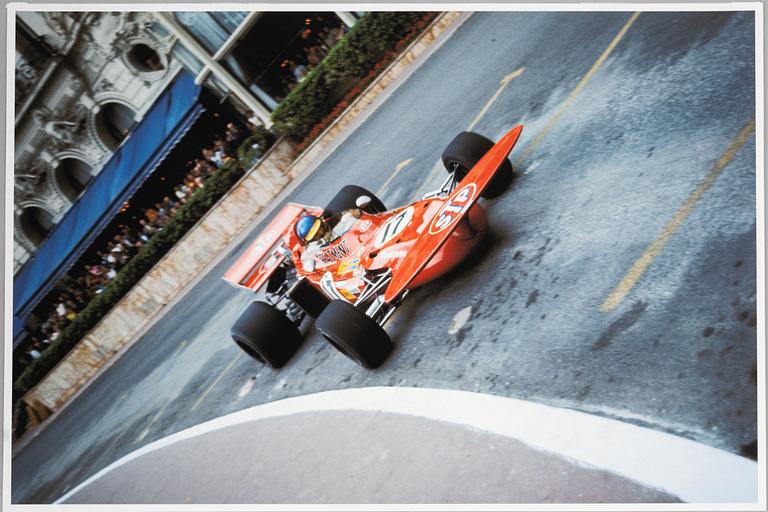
<point>199,247</point>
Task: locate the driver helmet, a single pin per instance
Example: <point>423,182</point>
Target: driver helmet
<point>310,228</point>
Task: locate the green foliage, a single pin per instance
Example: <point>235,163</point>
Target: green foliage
<point>255,145</point>
<point>348,61</point>
<point>376,35</point>
<point>185,217</point>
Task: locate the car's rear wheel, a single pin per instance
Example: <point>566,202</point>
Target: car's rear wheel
<point>266,334</point>
<point>465,150</point>
<point>354,334</point>
<point>347,197</point>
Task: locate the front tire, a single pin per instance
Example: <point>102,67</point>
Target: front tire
<point>346,198</point>
<point>465,150</point>
<point>354,334</point>
<point>266,334</point>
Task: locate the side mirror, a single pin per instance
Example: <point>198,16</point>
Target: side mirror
<point>363,201</point>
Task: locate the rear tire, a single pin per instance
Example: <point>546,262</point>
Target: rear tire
<point>266,334</point>
<point>465,150</point>
<point>354,334</point>
<point>346,198</point>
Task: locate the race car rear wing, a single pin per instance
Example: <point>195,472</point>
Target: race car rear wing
<point>257,263</point>
<point>456,206</point>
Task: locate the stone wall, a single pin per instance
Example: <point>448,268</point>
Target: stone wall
<point>201,245</point>
<point>171,274</point>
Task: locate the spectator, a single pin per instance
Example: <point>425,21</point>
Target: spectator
<point>133,241</point>
<point>151,213</point>
<point>182,192</point>
<point>235,135</point>
<point>33,352</point>
<point>299,71</point>
<point>71,314</point>
<point>211,157</point>
<point>169,205</point>
<point>46,341</point>
<point>147,230</point>
<point>79,298</point>
<point>314,55</point>
<point>205,168</point>
<point>108,259</point>
<point>222,150</point>
<point>61,309</point>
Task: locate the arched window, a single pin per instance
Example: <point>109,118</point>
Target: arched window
<point>114,122</point>
<point>72,175</point>
<point>36,223</point>
<point>144,58</point>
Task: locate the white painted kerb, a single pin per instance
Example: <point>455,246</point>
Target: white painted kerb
<point>692,471</point>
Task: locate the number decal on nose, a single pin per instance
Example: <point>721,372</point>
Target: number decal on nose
<point>453,208</point>
<point>393,227</point>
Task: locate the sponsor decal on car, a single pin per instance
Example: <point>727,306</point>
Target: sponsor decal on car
<point>394,227</point>
<point>393,255</point>
<point>348,266</point>
<point>453,209</point>
<point>265,240</point>
<point>333,254</point>
<point>363,227</point>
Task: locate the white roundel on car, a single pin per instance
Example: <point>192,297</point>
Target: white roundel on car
<point>393,227</point>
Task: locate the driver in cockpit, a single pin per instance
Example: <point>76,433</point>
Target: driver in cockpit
<point>315,232</point>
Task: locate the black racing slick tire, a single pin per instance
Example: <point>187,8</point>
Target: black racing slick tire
<point>266,334</point>
<point>347,197</point>
<point>465,150</point>
<point>354,334</point>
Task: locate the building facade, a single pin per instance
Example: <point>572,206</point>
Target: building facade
<point>83,80</point>
<point>88,89</point>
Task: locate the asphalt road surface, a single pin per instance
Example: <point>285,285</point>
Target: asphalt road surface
<point>647,151</point>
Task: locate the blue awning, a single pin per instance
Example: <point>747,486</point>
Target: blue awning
<point>150,141</point>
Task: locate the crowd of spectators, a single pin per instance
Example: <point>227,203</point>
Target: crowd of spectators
<point>311,55</point>
<point>82,284</point>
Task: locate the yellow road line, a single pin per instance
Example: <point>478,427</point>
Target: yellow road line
<point>583,82</point>
<point>213,385</point>
<point>657,245</point>
<point>504,82</point>
<point>399,167</point>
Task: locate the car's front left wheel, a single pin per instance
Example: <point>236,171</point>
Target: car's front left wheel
<point>266,334</point>
<point>354,334</point>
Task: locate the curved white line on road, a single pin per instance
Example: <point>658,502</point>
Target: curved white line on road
<point>692,471</point>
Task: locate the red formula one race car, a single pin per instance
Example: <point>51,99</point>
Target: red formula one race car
<point>351,264</point>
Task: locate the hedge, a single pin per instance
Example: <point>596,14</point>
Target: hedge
<point>350,65</point>
<point>185,217</point>
<point>365,45</point>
